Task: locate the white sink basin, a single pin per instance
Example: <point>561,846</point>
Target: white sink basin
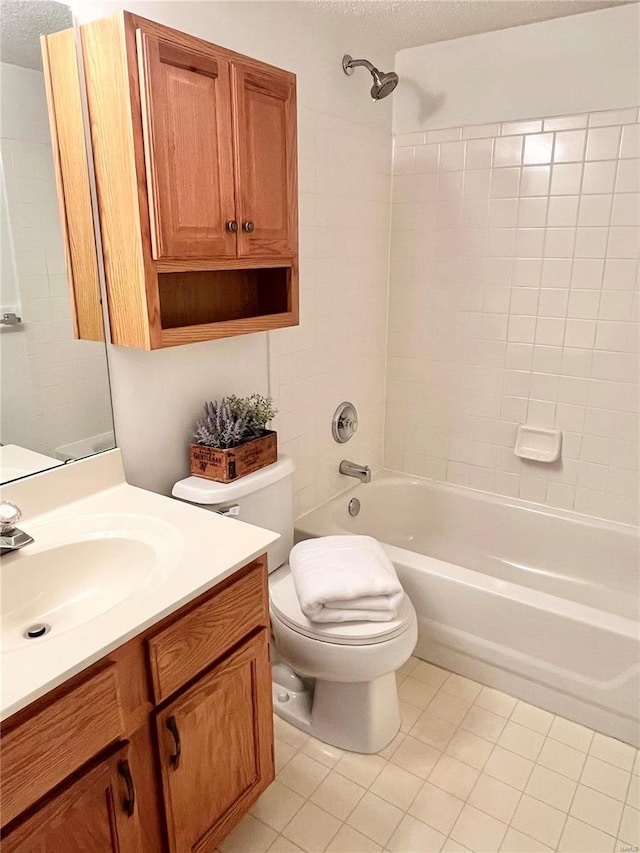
<point>78,568</point>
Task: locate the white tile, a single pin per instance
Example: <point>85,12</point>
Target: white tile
<point>283,845</point>
<point>504,182</point>
<point>538,148</point>
<point>479,831</point>
<point>303,775</point>
<point>337,795</point>
<point>249,834</point>
<point>401,139</point>
<point>349,840</point>
<point>551,788</point>
<point>375,818</point>
<point>453,776</point>
<point>322,752</point>
<point>397,786</point>
<point>361,769</point>
<point>613,751</point>
<point>532,717</point>
<point>508,151</point>
<point>605,117</point>
<point>429,673</point>
<point>599,177</point>
<point>289,734</point>
<point>569,146</point>
<point>517,842</point>
<point>628,177</point>
<point>630,146</point>
<point>479,131</point>
<point>597,809</point>
<point>433,730</point>
<point>449,707</point>
<point>408,714</point>
<point>563,210</point>
<point>311,829</point>
<point>495,798</point>
<point>603,143</point>
<point>566,179</point>
<point>284,752</point>
<point>539,820</point>
<point>509,127</point>
<point>451,846</point>
<point>633,794</point>
<point>630,825</point>
<point>469,749</point>
<point>605,778</point>
<point>484,724</point>
<point>521,740</point>
<point>436,807</point>
<point>535,181</point>
<point>391,747</point>
<point>413,836</point>
<point>565,122</point>
<point>447,135</point>
<point>277,806</point>
<point>495,701</point>
<point>416,757</point>
<point>415,692</point>
<point>578,837</point>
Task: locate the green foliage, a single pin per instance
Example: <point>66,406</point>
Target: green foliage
<point>233,420</point>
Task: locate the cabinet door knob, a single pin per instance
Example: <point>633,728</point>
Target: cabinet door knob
<point>232,226</point>
<point>174,758</point>
<point>248,226</point>
<point>129,803</point>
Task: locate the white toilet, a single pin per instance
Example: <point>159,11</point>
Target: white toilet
<point>334,680</point>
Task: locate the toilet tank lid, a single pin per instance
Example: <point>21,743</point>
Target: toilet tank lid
<point>197,490</point>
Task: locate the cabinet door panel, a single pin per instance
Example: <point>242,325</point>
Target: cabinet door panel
<point>221,731</point>
<point>90,815</point>
<point>266,165</point>
<point>186,98</point>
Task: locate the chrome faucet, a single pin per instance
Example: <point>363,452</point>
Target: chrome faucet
<point>11,538</point>
<point>360,472</point>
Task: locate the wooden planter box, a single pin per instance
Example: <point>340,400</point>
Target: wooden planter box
<point>224,466</point>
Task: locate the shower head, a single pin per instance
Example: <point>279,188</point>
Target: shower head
<point>383,82</point>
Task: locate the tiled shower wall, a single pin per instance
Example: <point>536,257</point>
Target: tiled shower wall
<point>514,299</point>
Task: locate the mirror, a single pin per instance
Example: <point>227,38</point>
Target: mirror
<point>55,403</point>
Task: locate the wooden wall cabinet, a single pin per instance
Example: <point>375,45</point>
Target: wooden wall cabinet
<point>163,745</point>
<point>195,159</point>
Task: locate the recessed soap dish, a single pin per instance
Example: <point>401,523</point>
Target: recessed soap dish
<point>537,443</point>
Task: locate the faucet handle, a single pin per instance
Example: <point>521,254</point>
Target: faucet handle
<point>10,515</point>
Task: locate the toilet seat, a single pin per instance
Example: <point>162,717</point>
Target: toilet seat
<point>286,607</point>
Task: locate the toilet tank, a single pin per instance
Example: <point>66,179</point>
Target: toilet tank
<point>264,498</point>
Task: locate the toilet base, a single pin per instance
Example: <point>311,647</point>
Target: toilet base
<point>359,716</point>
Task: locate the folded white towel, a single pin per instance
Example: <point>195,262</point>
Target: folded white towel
<point>345,579</point>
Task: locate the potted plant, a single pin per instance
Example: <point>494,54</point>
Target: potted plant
<point>232,439</point>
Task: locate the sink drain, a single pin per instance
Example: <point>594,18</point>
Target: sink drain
<point>37,630</point>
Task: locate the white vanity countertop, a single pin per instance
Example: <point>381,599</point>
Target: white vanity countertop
<point>202,549</point>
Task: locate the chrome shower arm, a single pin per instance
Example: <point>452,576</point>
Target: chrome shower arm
<point>348,64</point>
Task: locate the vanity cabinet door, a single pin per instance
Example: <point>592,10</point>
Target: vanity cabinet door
<point>216,748</point>
<point>186,118</point>
<point>96,813</point>
<point>265,136</point>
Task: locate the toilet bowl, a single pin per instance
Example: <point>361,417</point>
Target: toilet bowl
<point>333,680</point>
<point>347,695</point>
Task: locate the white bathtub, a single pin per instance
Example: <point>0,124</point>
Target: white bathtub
<point>542,604</point>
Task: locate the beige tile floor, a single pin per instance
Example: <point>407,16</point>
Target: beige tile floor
<point>472,769</point>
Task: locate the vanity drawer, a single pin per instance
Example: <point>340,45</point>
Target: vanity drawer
<point>45,747</point>
<point>200,637</point>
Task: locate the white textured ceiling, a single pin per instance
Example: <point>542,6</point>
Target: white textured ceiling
<point>22,22</point>
<point>407,23</point>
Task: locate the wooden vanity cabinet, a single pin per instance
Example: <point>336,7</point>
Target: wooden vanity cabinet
<point>195,160</point>
<point>184,747</point>
<point>96,812</point>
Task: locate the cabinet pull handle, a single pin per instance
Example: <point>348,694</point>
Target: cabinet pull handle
<point>248,226</point>
<point>232,226</point>
<point>174,758</point>
<point>129,802</point>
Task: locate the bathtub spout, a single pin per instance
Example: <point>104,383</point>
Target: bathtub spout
<point>360,472</point>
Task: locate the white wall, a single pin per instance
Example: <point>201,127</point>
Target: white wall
<point>514,263</point>
<point>338,351</point>
<point>576,64</point>
<point>55,389</point>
